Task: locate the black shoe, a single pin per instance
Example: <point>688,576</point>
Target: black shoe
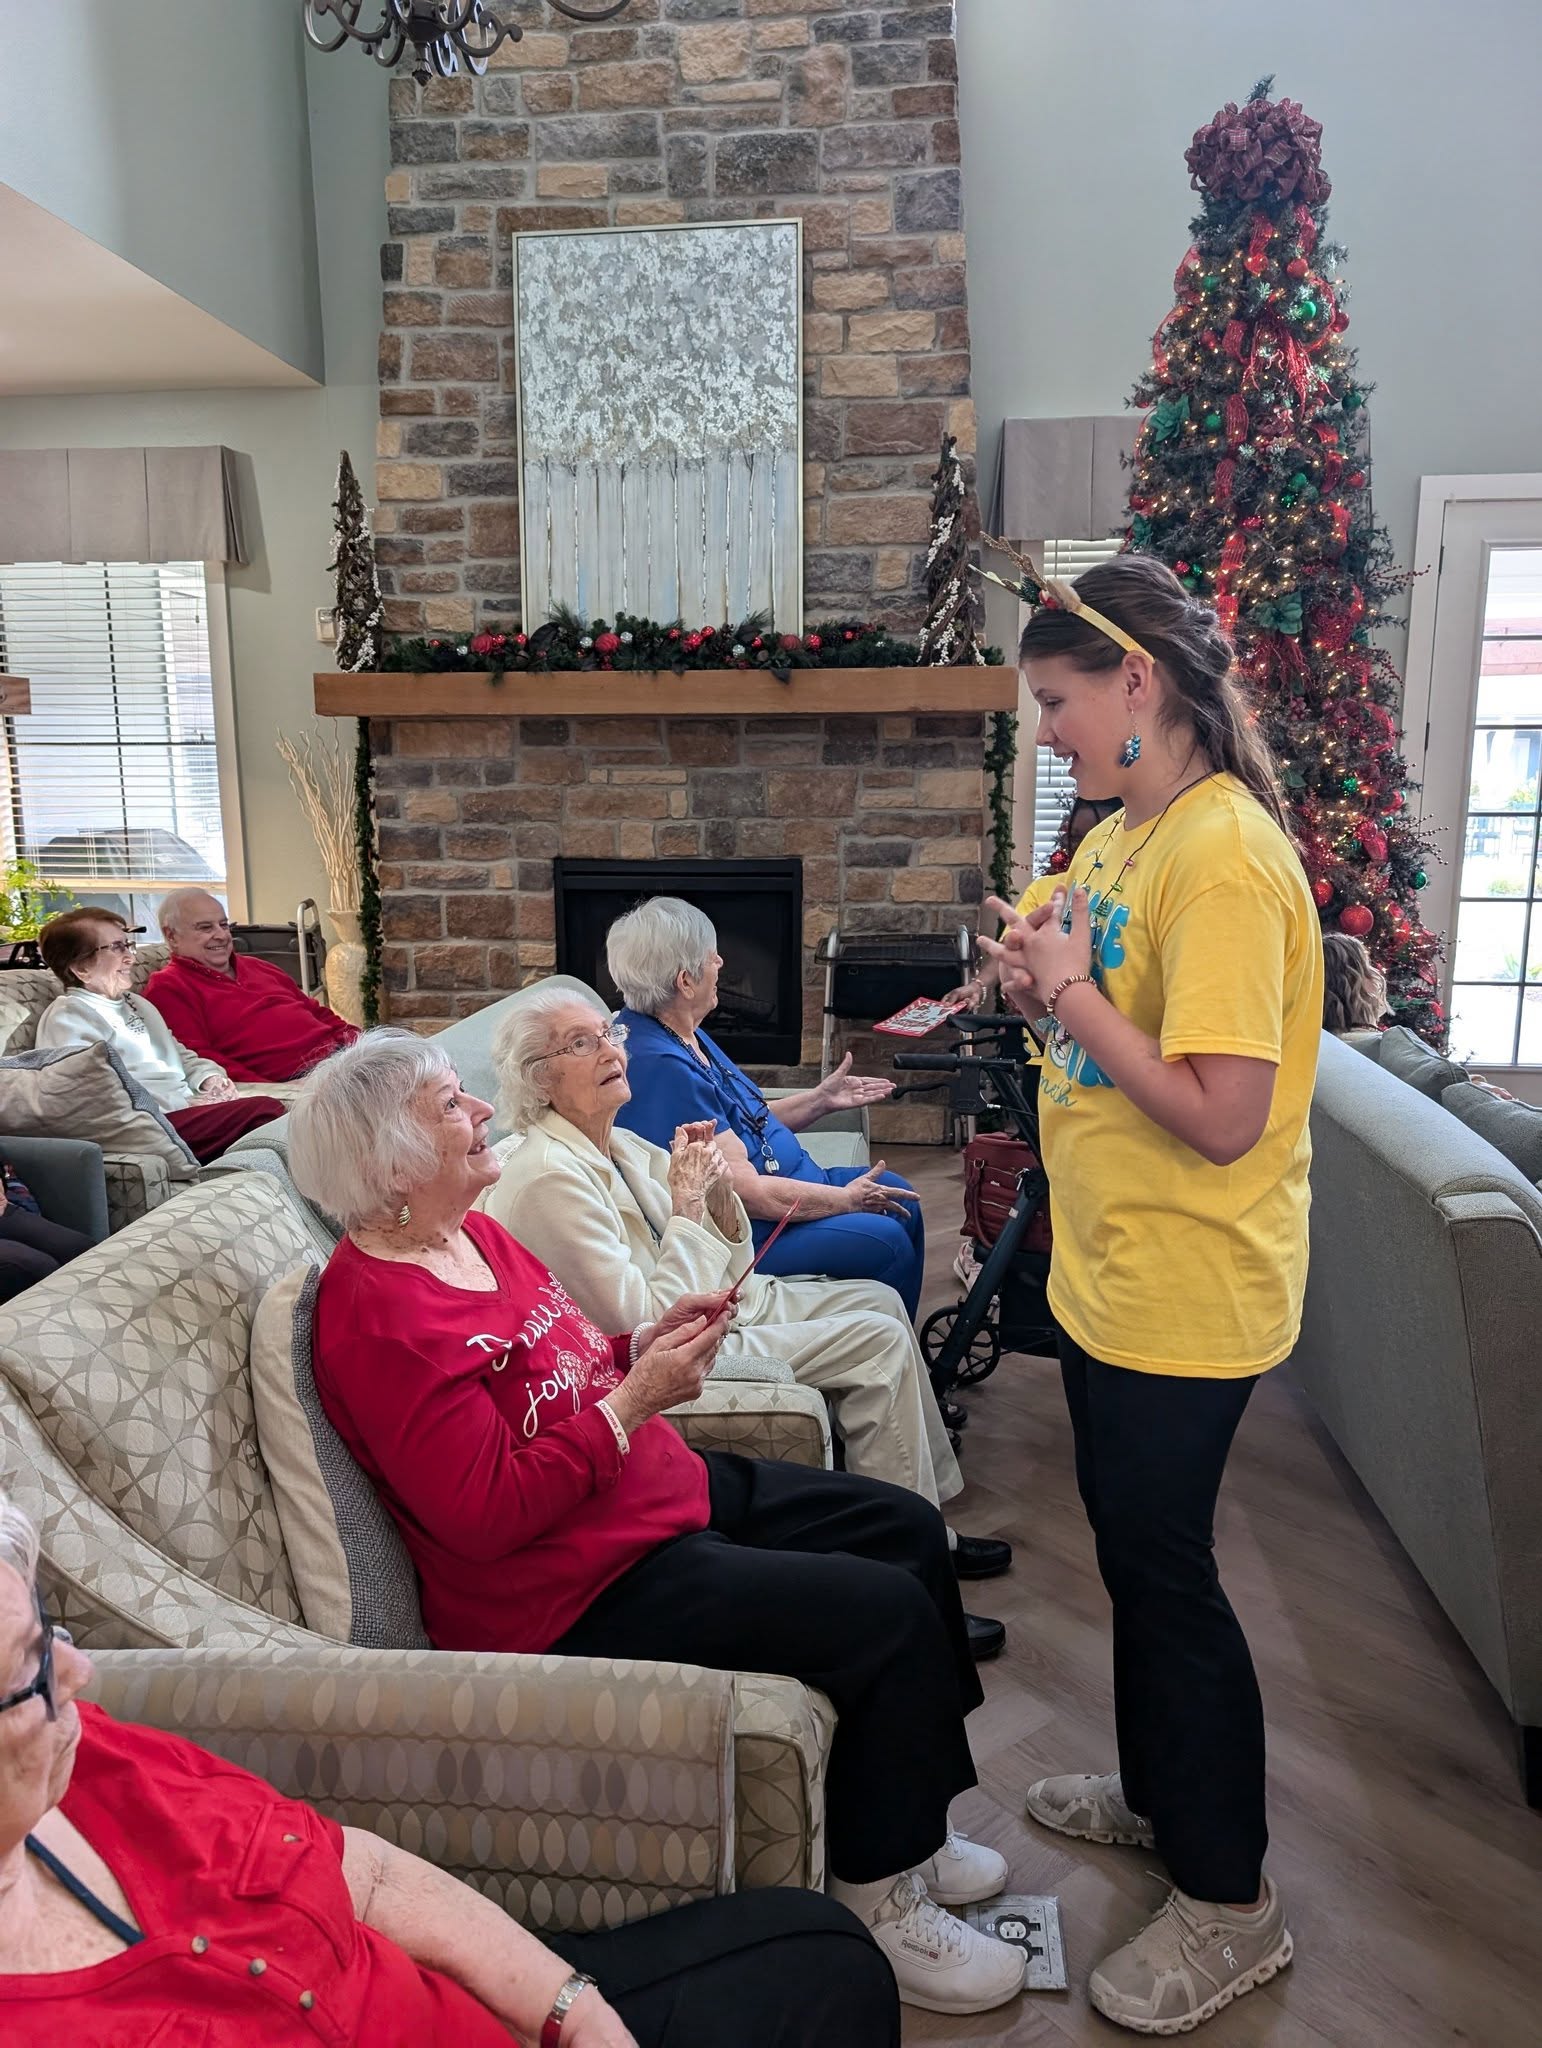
<point>981,1557</point>
<point>953,1413</point>
<point>987,1638</point>
<point>955,1438</point>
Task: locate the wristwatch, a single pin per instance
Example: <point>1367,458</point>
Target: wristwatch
<point>562,2005</point>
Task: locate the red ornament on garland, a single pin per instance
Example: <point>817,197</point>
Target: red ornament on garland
<point>1322,892</point>
<point>1357,920</point>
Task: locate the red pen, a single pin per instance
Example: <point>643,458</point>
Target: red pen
<point>733,1293</point>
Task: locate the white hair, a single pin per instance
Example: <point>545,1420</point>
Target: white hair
<point>358,1145</point>
<point>18,1540</point>
<point>649,948</point>
<point>176,901</point>
<point>520,1046</point>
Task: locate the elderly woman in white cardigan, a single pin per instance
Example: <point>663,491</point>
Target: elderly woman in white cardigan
<point>91,952</point>
<point>630,1230</point>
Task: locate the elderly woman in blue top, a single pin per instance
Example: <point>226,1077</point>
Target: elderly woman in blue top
<point>852,1224</point>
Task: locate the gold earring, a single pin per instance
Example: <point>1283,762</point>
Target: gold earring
<point>404,1215</point>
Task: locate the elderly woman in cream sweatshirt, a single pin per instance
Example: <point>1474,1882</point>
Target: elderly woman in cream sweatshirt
<point>630,1229</point>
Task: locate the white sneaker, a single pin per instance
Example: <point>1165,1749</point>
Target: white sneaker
<point>962,1873</point>
<point>966,1265</point>
<point>1090,1808</point>
<point>939,1963</point>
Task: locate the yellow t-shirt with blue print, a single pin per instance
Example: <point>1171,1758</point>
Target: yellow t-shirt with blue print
<point>1163,1262</point>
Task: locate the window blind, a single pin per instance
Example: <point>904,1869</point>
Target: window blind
<point>111,783</point>
<point>1052,786</point>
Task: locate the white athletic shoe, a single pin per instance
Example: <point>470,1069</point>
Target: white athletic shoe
<point>939,1963</point>
<point>962,1873</point>
<point>1092,1809</point>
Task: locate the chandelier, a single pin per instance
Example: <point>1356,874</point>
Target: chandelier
<point>443,34</point>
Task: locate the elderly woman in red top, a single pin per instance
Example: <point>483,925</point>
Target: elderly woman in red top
<point>547,1505</point>
<point>152,1895</point>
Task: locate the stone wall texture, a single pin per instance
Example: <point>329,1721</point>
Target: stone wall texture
<point>681,110</point>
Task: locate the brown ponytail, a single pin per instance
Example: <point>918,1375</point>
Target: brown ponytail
<point>1185,640</point>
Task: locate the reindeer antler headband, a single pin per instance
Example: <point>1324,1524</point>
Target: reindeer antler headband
<point>1051,593</point>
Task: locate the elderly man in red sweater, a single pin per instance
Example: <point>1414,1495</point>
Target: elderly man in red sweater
<point>245,1013</point>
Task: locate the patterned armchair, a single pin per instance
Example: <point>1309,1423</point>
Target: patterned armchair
<point>571,1788</point>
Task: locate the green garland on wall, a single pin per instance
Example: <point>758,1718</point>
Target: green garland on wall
<point>1000,753</point>
<point>369,879</point>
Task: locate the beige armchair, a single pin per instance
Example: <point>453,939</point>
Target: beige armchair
<point>127,1433</point>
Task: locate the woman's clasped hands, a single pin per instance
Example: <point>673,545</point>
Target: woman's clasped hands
<point>1036,954</point>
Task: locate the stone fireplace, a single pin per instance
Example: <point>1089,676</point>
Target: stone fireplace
<point>844,116</point>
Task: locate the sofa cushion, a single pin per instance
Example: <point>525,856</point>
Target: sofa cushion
<point>351,1569</point>
<point>25,993</point>
<point>1404,1053</point>
<point>85,1091</point>
<point>1513,1128</point>
<point>132,1362</point>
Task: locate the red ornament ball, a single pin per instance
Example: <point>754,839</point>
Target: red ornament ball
<point>1396,800</point>
<point>1340,322</point>
<point>606,643</point>
<point>1357,920</point>
<point>1297,267</point>
<point>791,643</point>
<point>1181,568</point>
<point>1322,892</point>
<point>814,642</point>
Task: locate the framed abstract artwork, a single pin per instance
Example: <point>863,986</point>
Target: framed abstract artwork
<point>660,395</point>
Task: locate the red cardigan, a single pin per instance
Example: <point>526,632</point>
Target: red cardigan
<point>476,1416</point>
<point>221,1872</point>
<point>257,1025</point>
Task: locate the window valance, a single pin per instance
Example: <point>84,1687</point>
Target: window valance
<point>120,505</point>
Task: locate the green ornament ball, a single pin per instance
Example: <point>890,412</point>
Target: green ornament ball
<point>1212,421</point>
<point>1350,784</point>
<point>1421,879</point>
<point>1299,481</point>
<point>1287,499</point>
<point>1211,283</point>
<point>1306,309</point>
<point>1353,400</point>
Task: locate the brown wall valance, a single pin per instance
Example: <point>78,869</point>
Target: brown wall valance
<point>1064,479</point>
<point>120,505</point>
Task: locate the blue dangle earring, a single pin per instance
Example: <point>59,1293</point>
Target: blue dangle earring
<point>1129,753</point>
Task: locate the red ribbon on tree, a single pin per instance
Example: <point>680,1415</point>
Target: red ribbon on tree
<point>1236,420</point>
<point>1306,228</point>
<point>1225,477</point>
<point>1181,276</point>
<point>1258,244</point>
<point>1232,557</point>
<point>1160,361</point>
<point>1340,517</point>
<point>1234,341</point>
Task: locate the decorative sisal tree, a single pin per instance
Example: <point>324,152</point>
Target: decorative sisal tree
<point>359,619</point>
<point>952,637</point>
<point>1251,481</point>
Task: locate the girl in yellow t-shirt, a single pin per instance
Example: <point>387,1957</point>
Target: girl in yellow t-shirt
<point>1180,967</point>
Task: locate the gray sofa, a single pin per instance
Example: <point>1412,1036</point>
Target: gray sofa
<point>1421,1349</point>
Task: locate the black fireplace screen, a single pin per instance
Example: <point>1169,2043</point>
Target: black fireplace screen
<point>757,909</point>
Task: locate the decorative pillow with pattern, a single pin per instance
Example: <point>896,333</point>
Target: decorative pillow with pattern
<point>85,1091</point>
<point>351,1569</point>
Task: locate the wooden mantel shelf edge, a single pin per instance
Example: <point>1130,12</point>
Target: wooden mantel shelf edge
<point>703,693</point>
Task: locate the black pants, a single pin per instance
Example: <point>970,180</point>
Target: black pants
<point>848,1585</point>
<point>31,1248</point>
<point>771,1969</point>
<point>1150,1451</point>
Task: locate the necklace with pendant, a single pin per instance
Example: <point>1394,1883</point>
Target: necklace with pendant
<point>1059,1034</point>
<point>757,1120</point>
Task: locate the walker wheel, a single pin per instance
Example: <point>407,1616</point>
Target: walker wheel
<point>982,1357</point>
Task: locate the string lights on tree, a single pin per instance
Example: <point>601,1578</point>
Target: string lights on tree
<point>1252,482</point>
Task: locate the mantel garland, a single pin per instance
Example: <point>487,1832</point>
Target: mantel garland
<point>569,644</point>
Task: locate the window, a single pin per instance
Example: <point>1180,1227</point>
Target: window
<point>111,783</point>
<point>1496,992</point>
<point>1052,786</point>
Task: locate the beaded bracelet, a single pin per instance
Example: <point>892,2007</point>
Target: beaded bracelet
<point>1060,988</point>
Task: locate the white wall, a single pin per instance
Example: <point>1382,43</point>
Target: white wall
<point>174,133</point>
<point>290,442</point>
<point>1075,118</point>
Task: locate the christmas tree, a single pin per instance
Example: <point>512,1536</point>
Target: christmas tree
<point>953,637</point>
<point>1251,480</point>
<point>358,618</point>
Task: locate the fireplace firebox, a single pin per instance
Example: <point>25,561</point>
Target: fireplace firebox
<point>756,907</point>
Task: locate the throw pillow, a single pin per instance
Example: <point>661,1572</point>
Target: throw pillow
<point>1513,1128</point>
<point>1404,1053</point>
<point>85,1091</point>
<point>351,1569</point>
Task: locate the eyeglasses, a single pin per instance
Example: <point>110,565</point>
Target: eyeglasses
<point>43,1685</point>
<point>123,946</point>
<point>585,1045</point>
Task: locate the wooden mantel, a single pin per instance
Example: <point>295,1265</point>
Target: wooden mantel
<point>701,693</point>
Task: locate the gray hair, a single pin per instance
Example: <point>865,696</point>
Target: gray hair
<point>357,1145</point>
<point>176,901</point>
<point>648,949</point>
<point>520,1046</point>
<point>18,1540</point>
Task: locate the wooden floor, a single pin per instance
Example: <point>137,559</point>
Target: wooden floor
<point>1411,1866</point>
